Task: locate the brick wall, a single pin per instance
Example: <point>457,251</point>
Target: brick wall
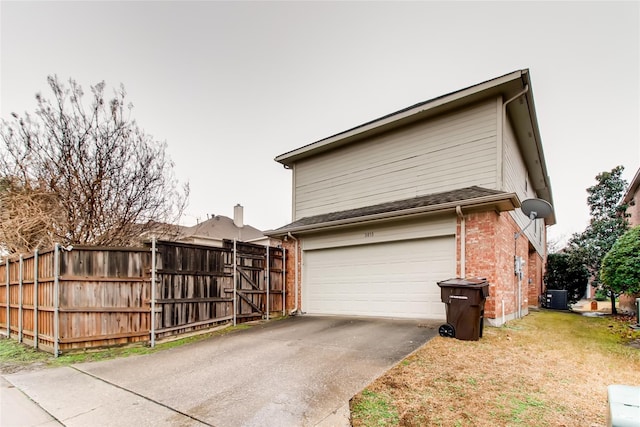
<point>634,210</point>
<point>535,273</point>
<point>290,246</point>
<point>490,248</point>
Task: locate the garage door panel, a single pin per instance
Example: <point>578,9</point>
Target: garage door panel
<point>396,279</point>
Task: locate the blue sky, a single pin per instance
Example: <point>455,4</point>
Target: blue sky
<point>231,85</point>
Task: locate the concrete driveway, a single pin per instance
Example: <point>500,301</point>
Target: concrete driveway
<point>300,371</point>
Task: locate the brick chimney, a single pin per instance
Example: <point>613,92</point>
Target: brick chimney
<point>238,213</point>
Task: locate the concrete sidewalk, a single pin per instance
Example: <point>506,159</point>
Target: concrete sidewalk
<point>65,390</point>
<point>294,372</point>
<point>17,409</point>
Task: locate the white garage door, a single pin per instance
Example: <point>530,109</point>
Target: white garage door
<point>393,279</point>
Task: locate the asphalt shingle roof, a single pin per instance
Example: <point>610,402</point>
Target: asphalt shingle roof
<point>434,199</point>
<point>222,227</point>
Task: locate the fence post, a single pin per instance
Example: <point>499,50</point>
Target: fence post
<point>153,291</point>
<point>35,298</point>
<point>20,282</point>
<point>56,300</point>
<point>268,282</point>
<point>235,272</point>
<point>8,302</point>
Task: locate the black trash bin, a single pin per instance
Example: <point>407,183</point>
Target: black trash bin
<point>464,300</point>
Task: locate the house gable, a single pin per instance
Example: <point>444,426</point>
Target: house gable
<point>467,138</point>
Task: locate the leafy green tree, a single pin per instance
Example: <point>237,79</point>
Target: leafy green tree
<point>608,222</point>
<point>620,270</point>
<point>565,271</point>
<point>79,172</point>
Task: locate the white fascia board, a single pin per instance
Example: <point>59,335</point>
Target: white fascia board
<point>545,193</point>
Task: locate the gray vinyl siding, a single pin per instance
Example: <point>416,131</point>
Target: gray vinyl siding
<point>516,180</point>
<point>445,153</point>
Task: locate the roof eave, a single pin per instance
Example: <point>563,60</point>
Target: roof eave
<point>499,202</point>
<point>545,191</point>
<point>396,119</point>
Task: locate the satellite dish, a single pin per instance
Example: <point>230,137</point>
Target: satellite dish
<point>536,208</point>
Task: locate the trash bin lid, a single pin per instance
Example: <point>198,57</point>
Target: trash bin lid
<point>477,281</point>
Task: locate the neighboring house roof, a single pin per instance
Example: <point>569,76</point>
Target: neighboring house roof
<point>221,227</point>
<point>633,188</point>
<point>160,230</point>
<point>522,114</point>
<point>468,198</point>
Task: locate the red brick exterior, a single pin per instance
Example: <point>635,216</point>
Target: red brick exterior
<point>535,272</point>
<point>490,250</point>
<point>289,245</point>
<point>633,210</point>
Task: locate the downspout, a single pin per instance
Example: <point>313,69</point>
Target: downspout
<point>295,287</point>
<point>517,295</point>
<point>508,101</point>
<point>463,238</point>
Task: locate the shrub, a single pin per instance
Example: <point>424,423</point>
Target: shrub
<point>620,269</point>
<point>601,295</point>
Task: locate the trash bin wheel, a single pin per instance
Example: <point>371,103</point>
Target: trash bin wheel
<point>447,330</point>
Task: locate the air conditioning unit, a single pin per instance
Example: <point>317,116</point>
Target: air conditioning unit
<point>557,299</point>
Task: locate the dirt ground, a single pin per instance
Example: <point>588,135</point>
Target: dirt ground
<point>547,369</point>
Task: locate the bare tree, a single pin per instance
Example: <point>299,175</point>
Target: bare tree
<point>26,216</point>
<point>79,174</point>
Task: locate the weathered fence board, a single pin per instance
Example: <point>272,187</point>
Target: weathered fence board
<point>99,297</point>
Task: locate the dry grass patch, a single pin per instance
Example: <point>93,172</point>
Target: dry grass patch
<point>547,369</point>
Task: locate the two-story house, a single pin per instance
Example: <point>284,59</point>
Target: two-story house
<point>385,210</point>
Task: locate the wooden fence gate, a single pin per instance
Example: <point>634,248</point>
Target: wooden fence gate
<point>84,297</point>
<point>195,285</point>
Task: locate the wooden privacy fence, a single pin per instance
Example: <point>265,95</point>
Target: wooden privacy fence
<point>195,285</point>
<point>84,297</point>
